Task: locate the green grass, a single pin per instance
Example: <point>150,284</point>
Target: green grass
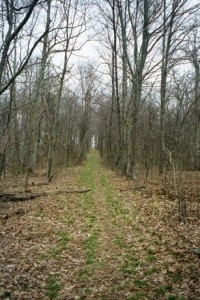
<point>120,215</point>
<point>151,258</point>
<point>154,233</point>
<point>177,277</point>
<point>91,221</point>
<point>140,283</point>
<point>162,290</point>
<point>39,214</point>
<point>151,251</point>
<point>151,271</point>
<point>119,241</point>
<point>6,295</point>
<point>115,206</point>
<point>64,238</point>
<point>139,296</point>
<point>84,273</point>
<point>88,291</point>
<point>55,252</point>
<point>91,228</point>
<point>90,246</point>
<point>68,220</point>
<point>141,240</point>
<point>43,256</point>
<point>103,180</point>
<point>53,287</point>
<point>128,271</point>
<point>87,175</point>
<point>130,265</point>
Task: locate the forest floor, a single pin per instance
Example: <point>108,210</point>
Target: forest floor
<point>110,243</point>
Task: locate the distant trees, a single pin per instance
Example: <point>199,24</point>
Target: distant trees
<point>39,109</point>
<point>88,88</point>
<point>152,99</point>
<point>17,19</point>
<point>192,53</point>
<point>141,99</point>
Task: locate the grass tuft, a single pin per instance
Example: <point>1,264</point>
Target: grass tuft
<point>53,287</point>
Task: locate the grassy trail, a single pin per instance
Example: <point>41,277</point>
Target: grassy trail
<point>118,262</point>
<point>107,244</point>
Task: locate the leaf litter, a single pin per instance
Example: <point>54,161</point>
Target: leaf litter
<point>115,243</point>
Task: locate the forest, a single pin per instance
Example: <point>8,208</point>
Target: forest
<point>100,149</point>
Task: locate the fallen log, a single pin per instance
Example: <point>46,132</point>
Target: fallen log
<point>17,197</point>
<point>25,196</point>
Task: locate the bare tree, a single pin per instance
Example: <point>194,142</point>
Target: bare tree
<point>175,13</point>
<point>13,24</point>
<point>192,52</point>
<point>14,19</point>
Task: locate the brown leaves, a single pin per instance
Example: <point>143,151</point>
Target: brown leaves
<point>144,252</point>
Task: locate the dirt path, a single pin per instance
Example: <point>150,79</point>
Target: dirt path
<point>111,243</point>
